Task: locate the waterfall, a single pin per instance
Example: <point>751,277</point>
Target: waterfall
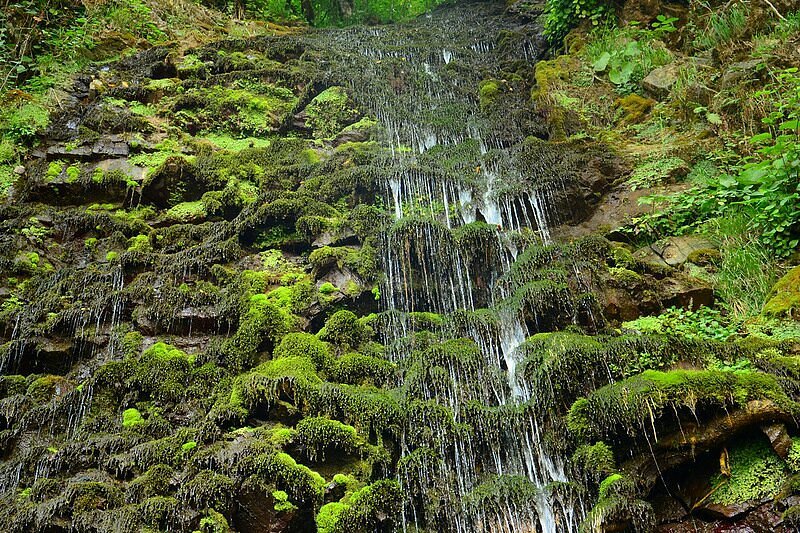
<point>448,165</point>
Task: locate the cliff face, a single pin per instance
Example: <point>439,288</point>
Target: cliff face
<point>374,279</point>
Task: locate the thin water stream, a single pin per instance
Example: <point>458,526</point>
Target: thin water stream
<point>451,164</point>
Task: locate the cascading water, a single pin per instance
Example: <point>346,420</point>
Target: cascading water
<point>451,164</point>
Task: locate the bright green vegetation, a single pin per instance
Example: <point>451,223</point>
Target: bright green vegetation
<point>756,472</point>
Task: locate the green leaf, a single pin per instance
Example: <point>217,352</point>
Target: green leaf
<point>727,181</point>
<point>713,118</point>
<point>752,176</point>
<point>602,62</point>
<point>632,49</point>
<point>761,138</point>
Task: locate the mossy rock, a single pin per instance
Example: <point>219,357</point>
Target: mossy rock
<point>634,108</point>
<point>550,74</point>
<point>784,299</point>
<point>329,112</point>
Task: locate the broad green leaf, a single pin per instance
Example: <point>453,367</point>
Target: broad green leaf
<point>602,62</point>
<point>761,138</point>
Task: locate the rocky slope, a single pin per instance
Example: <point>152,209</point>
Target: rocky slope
<point>371,279</point>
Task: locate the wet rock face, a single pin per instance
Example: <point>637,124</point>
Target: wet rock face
<point>309,283</point>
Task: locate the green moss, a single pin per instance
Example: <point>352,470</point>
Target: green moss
<point>234,144</point>
<point>606,484</point>
<point>358,368</point>
<point>249,109</point>
<point>54,170</point>
<point>756,473</point>
<point>618,504</point>
<point>281,437</point>
<point>625,276</point>
<point>155,482</point>
<point>500,490</point>
<point>306,482</point>
<point>596,459</point>
<point>165,352</point>
<point>140,243</point>
<point>282,502</point>
<point>187,212</point>
<point>214,522</point>
<point>47,388</point>
<point>488,93</point>
<point>327,288</point>
<point>208,490</point>
<point>623,407</point>
<point>362,262</point>
<point>784,298</point>
<point>132,418</point>
<point>328,517</point>
<point>329,112</point>
<point>321,436</point>
<point>190,65</point>
<point>304,345</point>
<point>73,173</point>
<point>264,320</point>
<point>380,502</point>
<point>634,108</point>
<point>344,329</point>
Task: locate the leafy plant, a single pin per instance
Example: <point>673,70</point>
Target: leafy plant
<point>563,15</point>
<point>702,323</point>
<point>766,190</point>
<point>628,54</point>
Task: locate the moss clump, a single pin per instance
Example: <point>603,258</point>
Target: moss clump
<point>625,406</point>
<point>594,460</point>
<point>343,329</point>
<point>617,504</point>
<point>499,490</point>
<point>329,112</point>
<point>264,320</point>
<point>248,108</point>
<point>357,368</point>
<point>378,504</point>
<point>155,482</point>
<point>132,418</point>
<point>206,490</point>
<point>328,289</point>
<point>784,299</point>
<point>488,93</point>
<point>624,276</point>
<point>295,375</point>
<point>304,345</point>
<point>282,502</point>
<point>328,517</point>
<point>321,436</point>
<point>302,484</point>
<point>140,244</point>
<point>47,388</point>
<point>756,473</point>
<point>186,212</point>
<point>550,74</point>
<point>634,108</point>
